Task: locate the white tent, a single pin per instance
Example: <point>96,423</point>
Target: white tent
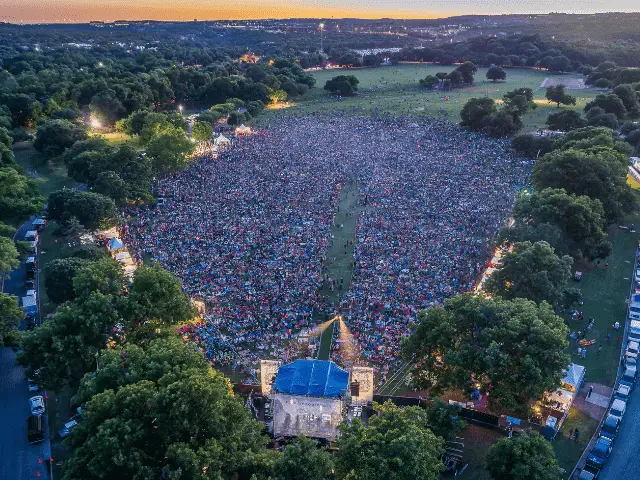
<point>242,129</point>
<point>221,140</point>
<point>573,377</point>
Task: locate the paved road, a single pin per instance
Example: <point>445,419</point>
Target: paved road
<point>624,462</point>
<point>18,459</point>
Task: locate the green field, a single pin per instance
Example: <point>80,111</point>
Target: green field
<point>395,89</point>
<point>48,177</point>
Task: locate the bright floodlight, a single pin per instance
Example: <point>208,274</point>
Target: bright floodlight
<point>95,123</point>
<point>180,107</point>
<point>322,25</point>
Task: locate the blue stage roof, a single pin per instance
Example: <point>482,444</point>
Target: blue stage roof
<point>317,378</point>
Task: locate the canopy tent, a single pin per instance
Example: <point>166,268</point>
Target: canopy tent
<point>124,257</point>
<point>116,244</point>
<point>562,396</point>
<point>316,378</point>
<point>573,377</point>
<point>242,129</point>
<point>109,233</point>
<point>221,140</point>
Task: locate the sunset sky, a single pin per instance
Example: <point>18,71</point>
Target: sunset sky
<point>85,10</point>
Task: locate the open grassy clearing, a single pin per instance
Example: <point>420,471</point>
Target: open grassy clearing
<point>49,177</point>
<point>395,89</point>
<point>605,293</point>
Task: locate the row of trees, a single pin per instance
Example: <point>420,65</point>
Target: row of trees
<point>462,75</point>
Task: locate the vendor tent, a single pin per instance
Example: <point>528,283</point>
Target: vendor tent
<point>116,244</point>
<point>242,129</point>
<point>221,140</point>
<point>573,377</point>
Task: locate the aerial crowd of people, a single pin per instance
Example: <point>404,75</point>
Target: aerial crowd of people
<point>247,231</point>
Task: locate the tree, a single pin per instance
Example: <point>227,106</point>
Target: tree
<point>182,425</point>
<point>130,363</point>
<point>565,120</point>
<point>514,349</point>
<point>429,82</point>
<point>9,258</point>
<point>524,457</point>
<point>371,60</point>
<point>559,63</point>
<point>610,103</point>
<point>344,85</point>
<point>520,100</point>
<point>107,107</point>
<point>157,295</point>
<point>168,150</point>
<point>64,348</point>
<point>557,95</point>
<point>92,209</point>
<point>599,173</point>
<point>10,316</point>
<point>110,185</point>
<point>629,97</point>
<point>395,445</point>
<point>533,271</point>
<point>202,131</point>
<point>455,78</point>
<point>571,224</point>
<point>467,70</point>
<point>474,112</point>
<point>503,123</point>
<point>278,96</point>
<point>19,196</point>
<point>303,460</point>
<point>58,278</point>
<point>532,146</point>
<point>444,420</point>
<point>53,137</point>
<point>104,275</point>
<point>496,73</point>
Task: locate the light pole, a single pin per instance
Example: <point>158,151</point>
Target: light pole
<point>322,38</point>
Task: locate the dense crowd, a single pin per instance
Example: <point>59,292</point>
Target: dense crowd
<point>248,231</point>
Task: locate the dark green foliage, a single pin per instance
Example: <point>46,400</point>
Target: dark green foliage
<point>58,278</point>
<point>497,343</point>
<point>91,209</point>
<point>558,96</point>
<point>55,136</point>
<point>565,120</point>
<point>342,84</point>
<point>523,457</point>
<point>496,73</point>
<point>535,272</point>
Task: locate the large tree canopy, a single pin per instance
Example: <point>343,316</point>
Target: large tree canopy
<point>395,445</point>
<point>535,272</point>
<point>514,349</point>
<point>524,457</point>
<point>598,172</point>
<point>55,136</point>
<point>186,424</point>
<point>571,224</point>
<point>10,316</point>
<point>92,210</point>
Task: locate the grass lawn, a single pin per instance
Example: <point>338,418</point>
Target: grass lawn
<point>48,178</point>
<point>569,451</point>
<point>338,264</point>
<point>633,182</point>
<point>605,294</point>
<point>395,89</point>
<point>59,413</point>
<point>117,138</point>
<point>477,441</point>
<point>50,248</point>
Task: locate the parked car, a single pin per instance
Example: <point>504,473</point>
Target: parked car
<point>33,386</point>
<point>589,473</point>
<point>29,284</point>
<point>66,431</point>
<point>618,407</point>
<point>37,405</point>
<point>600,452</point>
<point>35,429</point>
<point>633,347</point>
<point>629,377</point>
<point>610,427</point>
<point>623,392</point>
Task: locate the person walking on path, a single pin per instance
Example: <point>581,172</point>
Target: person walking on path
<point>590,390</point>
<point>576,434</point>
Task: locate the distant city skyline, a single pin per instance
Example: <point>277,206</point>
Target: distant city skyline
<point>80,11</point>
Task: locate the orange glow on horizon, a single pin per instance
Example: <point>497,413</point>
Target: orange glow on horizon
<point>82,11</point>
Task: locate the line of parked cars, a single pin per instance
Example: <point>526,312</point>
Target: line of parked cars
<point>609,429</point>
<point>35,422</point>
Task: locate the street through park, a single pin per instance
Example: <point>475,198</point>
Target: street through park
<point>18,459</point>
